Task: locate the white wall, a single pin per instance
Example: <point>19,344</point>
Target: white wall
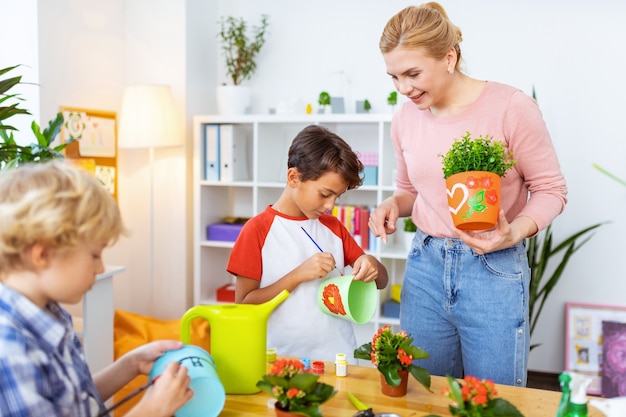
<point>570,51</point>
<point>20,46</point>
<point>89,51</point>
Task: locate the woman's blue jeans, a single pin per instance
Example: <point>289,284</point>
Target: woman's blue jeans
<point>469,312</point>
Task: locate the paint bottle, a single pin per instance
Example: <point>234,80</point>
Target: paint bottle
<point>341,365</point>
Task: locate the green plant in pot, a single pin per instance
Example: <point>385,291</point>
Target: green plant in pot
<point>367,106</point>
<point>11,153</point>
<point>324,102</point>
<point>409,232</point>
<point>472,168</point>
<point>392,98</point>
<point>240,44</point>
<point>393,354</point>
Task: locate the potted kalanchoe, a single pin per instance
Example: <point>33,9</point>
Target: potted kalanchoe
<point>476,398</point>
<point>393,355</point>
<point>472,168</point>
<point>296,390</point>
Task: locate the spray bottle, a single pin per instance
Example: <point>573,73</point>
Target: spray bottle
<point>577,404</point>
<point>564,380</point>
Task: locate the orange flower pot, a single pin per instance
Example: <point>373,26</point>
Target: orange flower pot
<point>400,390</point>
<point>474,199</point>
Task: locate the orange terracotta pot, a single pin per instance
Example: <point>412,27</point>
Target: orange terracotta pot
<point>400,390</point>
<point>474,199</point>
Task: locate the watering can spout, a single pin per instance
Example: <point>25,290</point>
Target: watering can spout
<point>238,340</point>
<point>271,305</point>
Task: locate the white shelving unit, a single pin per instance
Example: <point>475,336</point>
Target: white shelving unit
<point>268,138</point>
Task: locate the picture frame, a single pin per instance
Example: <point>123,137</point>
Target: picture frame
<point>95,147</point>
<point>584,339</point>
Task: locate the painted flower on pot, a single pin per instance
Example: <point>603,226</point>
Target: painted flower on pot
<point>391,352</point>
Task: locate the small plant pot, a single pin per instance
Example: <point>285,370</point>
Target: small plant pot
<point>400,390</point>
<point>474,199</point>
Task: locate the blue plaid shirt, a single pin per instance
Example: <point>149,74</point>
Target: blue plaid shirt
<point>42,365</point>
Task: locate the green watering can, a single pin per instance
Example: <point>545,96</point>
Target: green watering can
<point>238,340</point>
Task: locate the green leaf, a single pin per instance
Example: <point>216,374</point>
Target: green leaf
<point>503,408</point>
<point>541,253</point>
<point>421,375</point>
<point>364,352</point>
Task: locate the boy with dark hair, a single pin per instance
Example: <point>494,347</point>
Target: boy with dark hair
<point>274,253</point>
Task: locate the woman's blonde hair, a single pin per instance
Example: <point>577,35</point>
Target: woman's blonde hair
<point>426,27</point>
<point>54,204</point>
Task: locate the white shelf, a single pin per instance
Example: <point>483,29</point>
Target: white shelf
<point>268,138</point>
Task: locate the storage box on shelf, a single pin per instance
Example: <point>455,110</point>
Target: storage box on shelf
<point>264,163</point>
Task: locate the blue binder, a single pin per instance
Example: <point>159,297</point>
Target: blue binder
<point>212,152</point>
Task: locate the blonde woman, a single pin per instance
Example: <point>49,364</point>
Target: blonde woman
<point>465,294</point>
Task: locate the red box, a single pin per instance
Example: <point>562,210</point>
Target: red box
<point>226,293</point>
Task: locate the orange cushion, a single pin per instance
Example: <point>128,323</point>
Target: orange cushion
<point>132,330</point>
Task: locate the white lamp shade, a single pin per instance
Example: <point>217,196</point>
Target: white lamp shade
<point>148,118</point>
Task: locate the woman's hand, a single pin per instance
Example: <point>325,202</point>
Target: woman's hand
<point>382,221</point>
<point>503,236</point>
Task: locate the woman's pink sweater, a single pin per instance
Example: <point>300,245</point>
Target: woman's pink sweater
<point>534,187</point>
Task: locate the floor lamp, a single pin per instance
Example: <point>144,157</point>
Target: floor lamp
<point>148,119</point>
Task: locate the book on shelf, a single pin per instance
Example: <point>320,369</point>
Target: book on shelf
<point>355,219</point>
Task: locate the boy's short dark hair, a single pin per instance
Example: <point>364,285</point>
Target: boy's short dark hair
<point>316,150</point>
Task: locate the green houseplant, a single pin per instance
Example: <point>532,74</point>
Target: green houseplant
<point>392,98</point>
<point>472,168</point>
<point>477,154</point>
<point>409,226</point>
<point>295,390</point>
<point>240,45</point>
<point>392,353</point>
<point>240,48</point>
<point>324,102</point>
<point>11,153</point>
<point>541,251</point>
<point>367,106</point>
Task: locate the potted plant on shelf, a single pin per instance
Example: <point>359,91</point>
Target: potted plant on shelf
<point>240,47</point>
<point>392,100</point>
<point>393,355</point>
<point>472,168</point>
<point>409,232</point>
<point>324,102</point>
<point>297,392</point>
<point>476,398</point>
<point>11,153</point>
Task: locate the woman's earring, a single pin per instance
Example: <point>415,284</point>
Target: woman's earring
<point>451,71</point>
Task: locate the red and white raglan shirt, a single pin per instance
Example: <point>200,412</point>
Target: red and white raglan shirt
<point>270,246</point>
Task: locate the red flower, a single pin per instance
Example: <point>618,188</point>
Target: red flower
<point>471,182</point>
<point>486,182</point>
<point>491,196</point>
<point>292,392</point>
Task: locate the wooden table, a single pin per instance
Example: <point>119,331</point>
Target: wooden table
<point>364,383</point>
